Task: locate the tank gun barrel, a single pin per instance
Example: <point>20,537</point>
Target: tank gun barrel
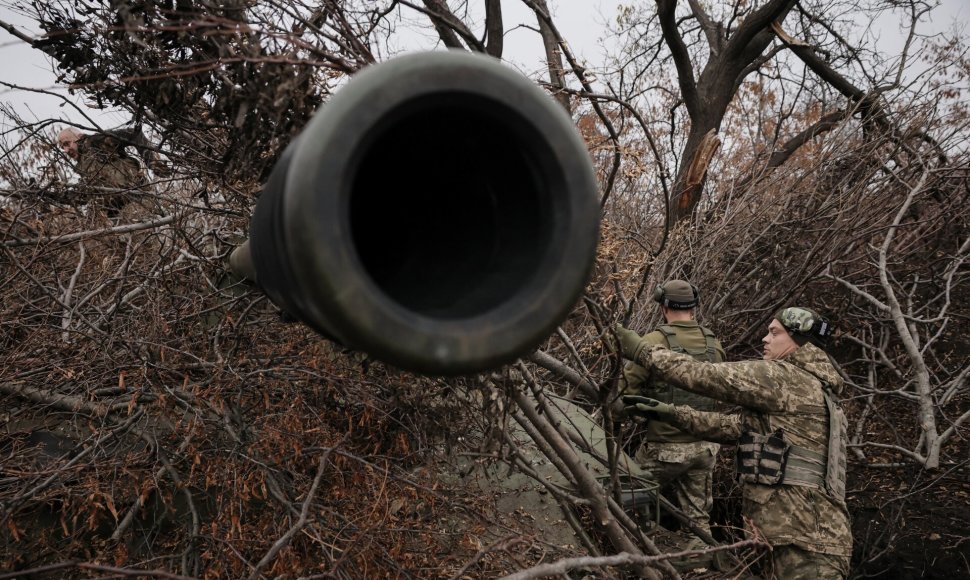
<point>438,213</point>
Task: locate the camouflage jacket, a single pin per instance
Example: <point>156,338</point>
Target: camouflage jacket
<point>103,162</point>
<point>637,381</point>
<point>776,394</point>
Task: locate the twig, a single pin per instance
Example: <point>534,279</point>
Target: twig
<point>503,544</point>
<point>8,508</point>
<point>304,511</point>
<point>585,482</point>
<point>69,292</point>
<point>140,502</point>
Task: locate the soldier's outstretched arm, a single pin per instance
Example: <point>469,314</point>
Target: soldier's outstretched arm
<point>753,384</point>
<point>707,425</point>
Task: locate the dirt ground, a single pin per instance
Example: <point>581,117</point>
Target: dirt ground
<point>911,525</point>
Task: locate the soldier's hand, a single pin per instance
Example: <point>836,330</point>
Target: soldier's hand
<point>647,408</point>
<point>629,341</point>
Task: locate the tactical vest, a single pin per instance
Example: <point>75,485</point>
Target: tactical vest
<point>677,396</point>
<point>770,460</point>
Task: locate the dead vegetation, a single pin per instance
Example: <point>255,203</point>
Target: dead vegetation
<point>161,419</point>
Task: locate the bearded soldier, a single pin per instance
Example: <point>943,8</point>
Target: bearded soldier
<point>678,460</point>
<point>790,430</point>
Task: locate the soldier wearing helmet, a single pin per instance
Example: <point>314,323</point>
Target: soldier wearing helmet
<point>681,462</point>
<point>790,430</point>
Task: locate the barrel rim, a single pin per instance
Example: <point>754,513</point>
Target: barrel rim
<point>353,309</point>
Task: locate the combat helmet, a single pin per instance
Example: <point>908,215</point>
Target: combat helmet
<point>805,325</point>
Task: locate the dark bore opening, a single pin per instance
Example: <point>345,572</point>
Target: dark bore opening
<point>448,206</point>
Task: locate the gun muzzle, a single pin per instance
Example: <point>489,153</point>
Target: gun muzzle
<point>438,213</point>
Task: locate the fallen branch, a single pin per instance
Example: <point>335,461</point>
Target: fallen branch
<point>94,568</point>
<point>561,567</point>
<point>90,233</point>
<point>59,401</point>
<point>300,523</point>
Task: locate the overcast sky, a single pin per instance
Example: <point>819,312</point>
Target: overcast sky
<point>580,21</point>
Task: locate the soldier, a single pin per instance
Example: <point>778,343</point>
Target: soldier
<point>791,435</point>
<point>102,162</point>
<point>678,460</point>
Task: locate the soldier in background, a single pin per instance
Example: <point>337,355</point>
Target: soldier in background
<point>791,436</point>
<point>106,169</point>
<point>678,460</point>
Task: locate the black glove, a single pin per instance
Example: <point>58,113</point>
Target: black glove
<point>647,408</point>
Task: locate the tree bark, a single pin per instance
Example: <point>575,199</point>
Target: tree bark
<point>494,28</point>
<point>553,57</point>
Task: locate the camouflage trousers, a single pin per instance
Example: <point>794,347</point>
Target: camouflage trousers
<point>793,563</point>
<point>685,470</point>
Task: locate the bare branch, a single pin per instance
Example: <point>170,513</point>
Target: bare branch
<point>713,32</point>
<point>127,228</point>
<point>553,365</point>
<point>300,522</point>
<point>622,559</point>
<point>666,10</point>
